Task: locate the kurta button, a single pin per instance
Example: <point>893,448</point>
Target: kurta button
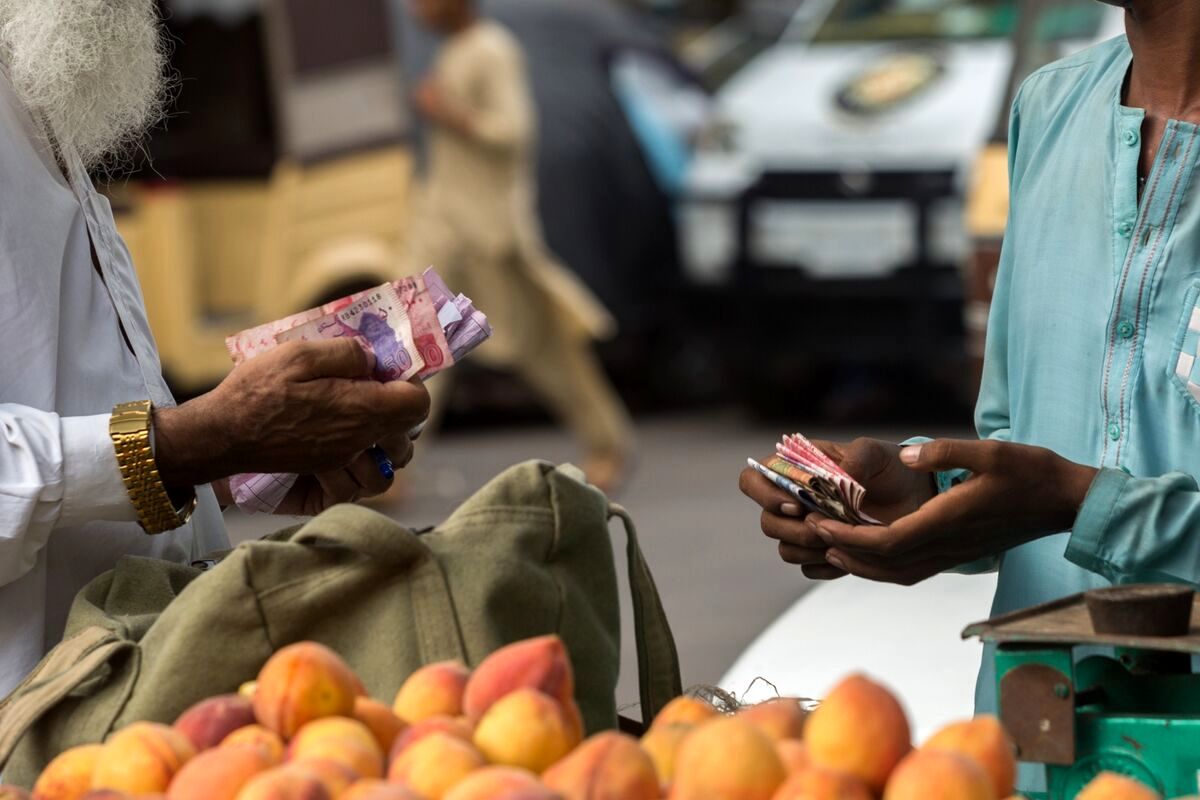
<point>1125,330</point>
<point>1114,431</point>
<point>1125,228</point>
<point>1127,471</point>
<point>1130,137</point>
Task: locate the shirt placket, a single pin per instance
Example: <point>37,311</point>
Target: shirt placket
<point>1143,229</point>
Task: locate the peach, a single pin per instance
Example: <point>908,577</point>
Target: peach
<point>779,718</point>
<point>362,761</point>
<point>432,766</point>
<point>208,722</point>
<point>818,783</point>
<point>455,726</point>
<point>860,729</point>
<point>384,725</point>
<point>141,758</point>
<point>375,789</point>
<point>685,709</point>
<point>539,663</point>
<point>793,754</point>
<point>938,775</point>
<point>433,690</point>
<point>727,759</point>
<point>332,728</point>
<point>69,775</point>
<point>334,776</point>
<point>661,743</point>
<point>526,729</point>
<point>608,766</point>
<point>265,738</point>
<point>303,682</point>
<point>8,792</point>
<point>982,739</point>
<point>1111,786</point>
<point>492,783</point>
<point>219,773</point>
<point>284,783</point>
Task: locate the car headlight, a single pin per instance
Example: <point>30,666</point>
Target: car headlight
<point>708,239</point>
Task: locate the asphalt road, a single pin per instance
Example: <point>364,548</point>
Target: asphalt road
<point>720,579</point>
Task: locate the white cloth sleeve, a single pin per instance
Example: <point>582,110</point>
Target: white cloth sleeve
<point>54,472</point>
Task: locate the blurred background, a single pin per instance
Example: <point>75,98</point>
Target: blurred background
<point>792,207</point>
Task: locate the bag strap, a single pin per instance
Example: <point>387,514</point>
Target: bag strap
<point>658,661</point>
<point>384,540</point>
<point>66,666</point>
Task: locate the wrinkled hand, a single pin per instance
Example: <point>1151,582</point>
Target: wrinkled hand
<point>305,408</point>
<point>893,491</point>
<point>1016,494</point>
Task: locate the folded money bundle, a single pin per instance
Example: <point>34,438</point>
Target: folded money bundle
<point>416,327</point>
<point>803,471</point>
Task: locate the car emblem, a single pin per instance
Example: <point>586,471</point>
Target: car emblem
<point>856,182</point>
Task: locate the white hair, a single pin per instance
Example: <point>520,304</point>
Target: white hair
<point>93,70</point>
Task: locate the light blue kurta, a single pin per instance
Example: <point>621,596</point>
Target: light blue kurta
<point>1094,331</point>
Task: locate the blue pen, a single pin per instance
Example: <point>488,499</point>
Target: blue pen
<point>386,468</point>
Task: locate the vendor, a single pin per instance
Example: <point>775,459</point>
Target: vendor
<point>94,455</point>
<point>1089,413</point>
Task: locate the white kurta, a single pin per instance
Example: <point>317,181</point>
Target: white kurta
<point>64,513</point>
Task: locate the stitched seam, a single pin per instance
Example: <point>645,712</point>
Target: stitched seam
<point>1146,272</point>
<point>1114,322</point>
<point>1191,299</point>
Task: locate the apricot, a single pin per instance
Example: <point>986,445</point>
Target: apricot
<point>493,783</point>
<point>303,682</point>
<point>455,726</point>
<point>983,740</point>
<point>248,689</point>
<point>432,766</point>
<point>727,759</point>
<point>779,718</point>
<point>364,762</point>
<point>69,775</point>
<point>264,738</point>
<point>284,783</point>
<point>685,709</point>
<point>608,766</point>
<point>9,792</point>
<point>526,729</point>
<point>106,794</point>
<point>219,773</point>
<point>333,728</point>
<point>384,725</point>
<point>433,690</point>
<point>793,754</point>
<point>661,743</point>
<point>333,775</point>
<point>938,775</point>
<point>540,663</point>
<point>1111,786</point>
<point>859,729</point>
<point>818,783</point>
<point>208,722</point>
<point>375,789</point>
<point>141,758</point>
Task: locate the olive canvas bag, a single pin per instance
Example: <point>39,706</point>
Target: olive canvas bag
<point>528,554</point>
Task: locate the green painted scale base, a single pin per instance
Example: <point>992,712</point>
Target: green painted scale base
<point>1135,712</point>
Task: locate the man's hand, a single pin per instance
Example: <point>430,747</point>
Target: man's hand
<point>431,102</point>
<point>1016,494</point>
<point>893,490</point>
<point>304,407</point>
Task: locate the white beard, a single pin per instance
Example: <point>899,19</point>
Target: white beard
<point>94,70</point>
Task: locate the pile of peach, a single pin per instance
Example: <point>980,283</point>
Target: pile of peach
<point>510,730</point>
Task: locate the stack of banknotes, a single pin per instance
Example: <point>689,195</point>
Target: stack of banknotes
<point>801,469</point>
<point>415,326</point>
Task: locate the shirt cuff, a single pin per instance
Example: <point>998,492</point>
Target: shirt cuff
<point>1086,543</point>
<point>92,485</point>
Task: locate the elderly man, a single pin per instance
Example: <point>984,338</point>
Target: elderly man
<point>94,455</point>
<point>1089,413</point>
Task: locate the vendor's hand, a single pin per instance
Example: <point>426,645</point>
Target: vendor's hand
<point>1016,494</point>
<point>303,407</point>
<point>359,480</point>
<point>893,491</point>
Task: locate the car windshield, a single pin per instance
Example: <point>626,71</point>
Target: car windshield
<point>874,20</point>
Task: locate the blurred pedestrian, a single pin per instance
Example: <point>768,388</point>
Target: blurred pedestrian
<point>478,225</point>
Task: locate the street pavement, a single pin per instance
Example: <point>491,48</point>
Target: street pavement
<point>721,581</point>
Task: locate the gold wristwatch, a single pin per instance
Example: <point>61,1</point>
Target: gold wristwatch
<point>129,428</point>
